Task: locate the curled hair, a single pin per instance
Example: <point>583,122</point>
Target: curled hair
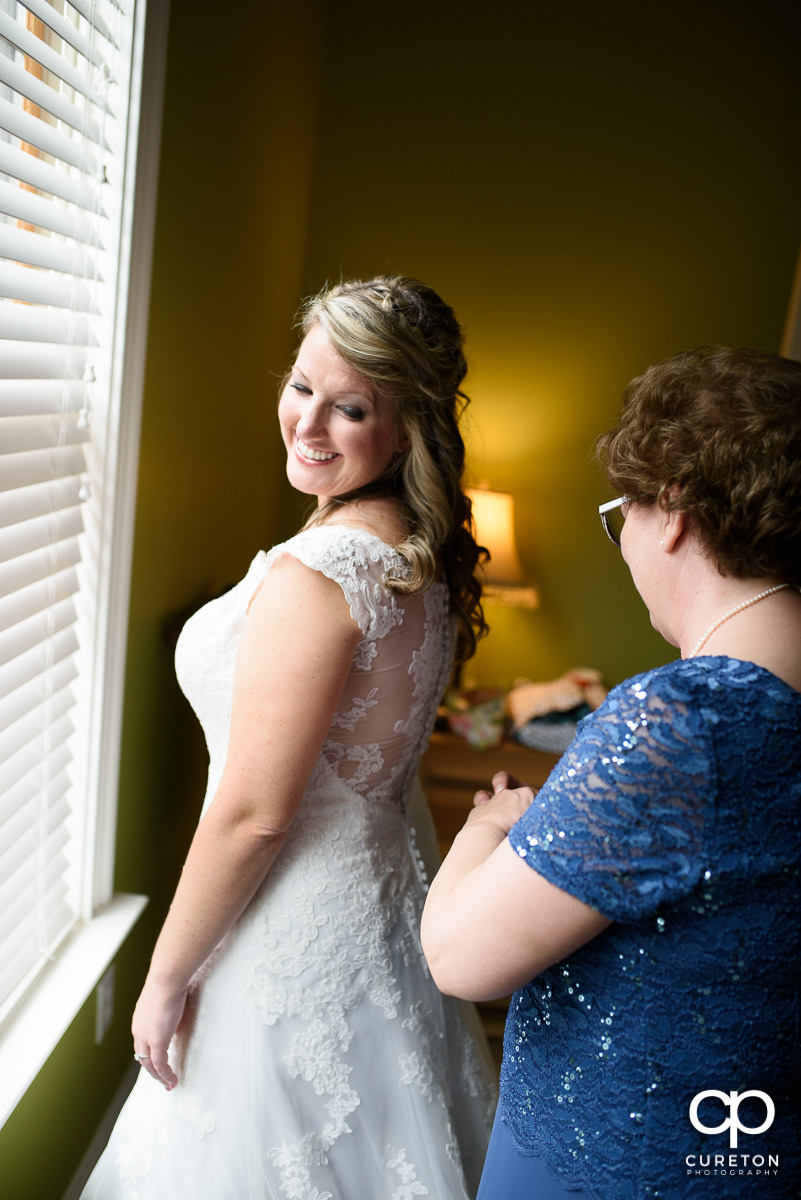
<point>716,434</point>
<point>403,338</point>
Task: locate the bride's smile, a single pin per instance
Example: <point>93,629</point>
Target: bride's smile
<point>340,433</point>
<point>307,451</point>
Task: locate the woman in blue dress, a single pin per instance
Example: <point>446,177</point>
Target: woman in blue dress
<point>649,893</point>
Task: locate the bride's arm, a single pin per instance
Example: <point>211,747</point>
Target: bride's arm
<point>292,663</point>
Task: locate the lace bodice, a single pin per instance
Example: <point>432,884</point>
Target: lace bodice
<point>387,708</point>
<point>676,812</point>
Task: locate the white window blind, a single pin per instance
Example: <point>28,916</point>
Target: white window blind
<point>66,121</point>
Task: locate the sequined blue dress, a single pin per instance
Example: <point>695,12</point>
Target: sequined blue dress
<point>676,812</point>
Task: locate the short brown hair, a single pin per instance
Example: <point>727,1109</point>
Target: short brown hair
<point>715,432</point>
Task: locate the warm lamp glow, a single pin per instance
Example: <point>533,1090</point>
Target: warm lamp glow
<point>493,514</point>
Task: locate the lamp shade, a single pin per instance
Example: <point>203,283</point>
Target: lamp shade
<point>493,514</point>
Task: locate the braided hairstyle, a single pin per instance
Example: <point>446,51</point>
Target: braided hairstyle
<point>403,338</point>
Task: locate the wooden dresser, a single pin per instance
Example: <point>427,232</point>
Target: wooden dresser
<point>451,773</point>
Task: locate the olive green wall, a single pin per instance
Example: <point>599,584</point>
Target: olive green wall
<point>591,186</point>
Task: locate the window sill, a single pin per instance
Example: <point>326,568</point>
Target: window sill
<point>32,1031</point>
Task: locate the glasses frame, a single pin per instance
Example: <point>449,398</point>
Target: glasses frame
<point>603,512</point>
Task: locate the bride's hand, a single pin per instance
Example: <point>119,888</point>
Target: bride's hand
<point>158,1015</point>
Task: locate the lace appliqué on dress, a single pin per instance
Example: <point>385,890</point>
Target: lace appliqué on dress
<point>358,709</point>
<point>323,907</point>
<point>410,1185</point>
<point>359,563</point>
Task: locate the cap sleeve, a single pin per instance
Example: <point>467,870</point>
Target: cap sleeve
<point>359,563</point>
<point>619,823</point>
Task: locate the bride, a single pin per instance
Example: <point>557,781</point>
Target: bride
<point>293,1044</point>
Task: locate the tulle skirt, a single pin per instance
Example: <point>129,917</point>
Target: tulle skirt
<point>322,1062</point>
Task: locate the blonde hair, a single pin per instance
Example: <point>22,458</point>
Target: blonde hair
<point>403,338</point>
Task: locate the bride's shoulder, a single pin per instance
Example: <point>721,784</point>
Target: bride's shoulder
<point>360,562</point>
<point>340,549</point>
<point>378,517</point>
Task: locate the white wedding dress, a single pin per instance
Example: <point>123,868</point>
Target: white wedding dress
<point>323,1063</point>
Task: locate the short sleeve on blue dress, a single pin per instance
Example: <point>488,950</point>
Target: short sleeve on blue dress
<point>620,821</point>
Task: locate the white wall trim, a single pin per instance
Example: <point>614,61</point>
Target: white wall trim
<point>150,50</point>
<point>31,1032</point>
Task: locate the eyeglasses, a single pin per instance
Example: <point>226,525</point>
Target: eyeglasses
<point>612,518</point>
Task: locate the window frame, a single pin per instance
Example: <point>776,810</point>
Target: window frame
<point>39,1020</point>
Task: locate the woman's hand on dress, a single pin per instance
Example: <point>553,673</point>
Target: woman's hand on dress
<point>500,781</point>
<point>157,1017</point>
<point>505,806</point>
<point>484,886</point>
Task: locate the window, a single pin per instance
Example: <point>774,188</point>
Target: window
<point>74,278</point>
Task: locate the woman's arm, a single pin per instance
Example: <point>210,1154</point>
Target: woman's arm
<point>292,663</point>
<point>491,923</point>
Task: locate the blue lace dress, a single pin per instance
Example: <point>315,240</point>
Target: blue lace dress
<point>676,813</point>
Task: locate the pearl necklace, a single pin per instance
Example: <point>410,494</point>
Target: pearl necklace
<point>732,612</point>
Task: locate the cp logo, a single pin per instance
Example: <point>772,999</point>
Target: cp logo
<point>732,1101</point>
